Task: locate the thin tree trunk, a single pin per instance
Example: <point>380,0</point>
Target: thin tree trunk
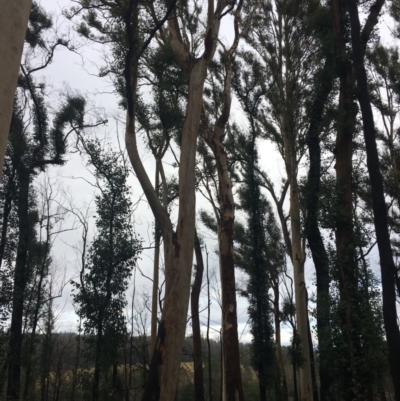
<point>295,386</point>
<point>47,347</point>
<point>263,390</point>
<point>314,237</point>
<point>346,253</point>
<point>312,359</point>
<point>298,260</point>
<point>208,335</point>
<point>31,349</point>
<point>154,298</point>
<point>379,205</point>
<point>20,279</point>
<point>282,374</point>
<point>97,367</point>
<point>232,378</point>
<point>197,351</point>
<point>14,17</point>
<point>230,342</point>
<point>77,359</point>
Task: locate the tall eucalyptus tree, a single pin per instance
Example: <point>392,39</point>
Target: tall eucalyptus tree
<point>129,43</point>
<point>281,61</point>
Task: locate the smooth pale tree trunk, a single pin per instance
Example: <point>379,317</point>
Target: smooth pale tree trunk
<point>298,260</point>
<point>379,205</point>
<point>178,249</point>
<point>13,23</point>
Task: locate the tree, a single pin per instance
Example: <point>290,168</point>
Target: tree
<point>32,148</point>
<point>379,206</point>
<point>129,45</point>
<point>13,21</point>
<point>275,77</point>
<point>261,254</point>
<point>214,135</point>
<point>194,306</point>
<point>31,153</point>
<point>323,86</point>
<point>111,258</point>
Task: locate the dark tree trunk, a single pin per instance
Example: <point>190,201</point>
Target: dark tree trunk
<point>263,390</point>
<point>232,379</point>
<point>379,205</point>
<point>20,279</point>
<point>314,237</point>
<point>194,302</point>
<point>345,242</point>
<point>39,291</point>
<point>97,366</point>
<point>208,335</point>
<point>47,350</point>
<point>9,197</point>
<point>295,390</point>
<point>77,360</point>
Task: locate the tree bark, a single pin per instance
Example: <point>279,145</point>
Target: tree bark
<point>77,361</point>
<point>194,301</point>
<point>208,336</point>
<point>314,237</point>
<point>232,388</point>
<point>232,381</point>
<point>9,196</point>
<point>345,247</point>
<point>298,260</point>
<point>13,22</point>
<point>20,279</point>
<point>178,246</point>
<point>379,205</point>
<point>154,298</point>
<point>277,321</point>
<point>97,366</point>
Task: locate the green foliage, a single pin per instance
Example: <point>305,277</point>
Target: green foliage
<point>260,253</point>
<point>39,23</point>
<point>100,296</point>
